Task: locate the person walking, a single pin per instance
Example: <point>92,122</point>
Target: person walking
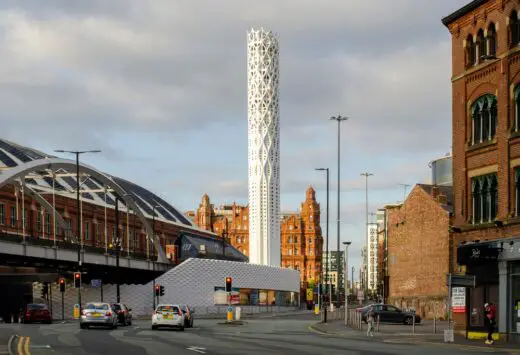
<point>370,321</point>
<point>490,313</point>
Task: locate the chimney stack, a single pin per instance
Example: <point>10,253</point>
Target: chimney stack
<point>442,199</point>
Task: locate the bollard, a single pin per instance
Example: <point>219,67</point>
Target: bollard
<point>378,321</point>
<point>413,324</point>
<point>12,318</point>
<point>434,324</point>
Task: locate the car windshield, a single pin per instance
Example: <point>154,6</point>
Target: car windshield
<point>34,307</point>
<point>99,306</point>
<point>167,309</point>
<point>116,306</point>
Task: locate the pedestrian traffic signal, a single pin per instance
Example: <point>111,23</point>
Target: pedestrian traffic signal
<point>77,280</point>
<point>162,290</point>
<point>157,290</point>
<point>45,290</point>
<point>62,284</point>
<point>228,284</point>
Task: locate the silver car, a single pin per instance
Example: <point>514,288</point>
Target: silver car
<point>98,314</point>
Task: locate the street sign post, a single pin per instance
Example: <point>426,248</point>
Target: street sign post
<point>96,283</point>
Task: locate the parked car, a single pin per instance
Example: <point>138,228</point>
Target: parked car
<point>124,314</point>
<point>391,314</point>
<point>188,315</point>
<point>36,312</point>
<point>98,314</point>
<point>168,315</point>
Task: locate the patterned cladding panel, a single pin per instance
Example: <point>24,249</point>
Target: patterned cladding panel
<point>192,282</point>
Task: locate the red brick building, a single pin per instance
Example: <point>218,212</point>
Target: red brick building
<point>485,38</point>
<point>301,238</point>
<point>418,249</point>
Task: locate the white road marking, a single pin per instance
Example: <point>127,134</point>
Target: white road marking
<point>197,349</point>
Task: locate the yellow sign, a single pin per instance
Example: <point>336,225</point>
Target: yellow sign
<point>76,311</point>
<point>309,294</point>
<point>230,315</point>
<point>316,309</point>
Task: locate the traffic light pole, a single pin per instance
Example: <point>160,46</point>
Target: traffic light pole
<point>50,298</point>
<point>63,306</point>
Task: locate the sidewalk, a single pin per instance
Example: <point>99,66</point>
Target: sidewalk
<point>402,334</point>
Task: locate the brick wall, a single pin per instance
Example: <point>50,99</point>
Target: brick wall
<point>418,253</point>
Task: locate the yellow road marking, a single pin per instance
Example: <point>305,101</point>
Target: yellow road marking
<point>20,346</point>
<point>26,347</point>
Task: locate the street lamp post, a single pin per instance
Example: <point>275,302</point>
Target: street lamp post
<point>326,248</point>
<point>118,249</point>
<point>339,119</point>
<point>148,242</point>
<point>347,244</point>
<point>78,205</point>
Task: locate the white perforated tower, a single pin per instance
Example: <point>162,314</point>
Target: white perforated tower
<point>263,148</point>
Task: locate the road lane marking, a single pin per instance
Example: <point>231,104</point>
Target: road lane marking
<point>197,349</point>
<point>20,346</point>
<point>26,347</point>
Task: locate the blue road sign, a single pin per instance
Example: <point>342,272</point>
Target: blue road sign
<point>230,309</point>
<point>96,283</point>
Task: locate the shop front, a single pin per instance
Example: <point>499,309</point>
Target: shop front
<point>496,267</point>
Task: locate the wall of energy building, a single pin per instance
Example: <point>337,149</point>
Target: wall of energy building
<point>372,257</point>
<point>198,283</point>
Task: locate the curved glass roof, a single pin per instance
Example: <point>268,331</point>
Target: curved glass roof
<point>12,155</point>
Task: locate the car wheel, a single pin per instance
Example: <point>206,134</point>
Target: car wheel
<point>83,326</point>
<point>408,321</point>
<point>181,328</point>
<point>154,327</point>
<point>130,322</point>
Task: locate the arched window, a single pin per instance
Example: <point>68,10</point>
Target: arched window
<point>470,51</point>
<point>484,119</point>
<point>517,191</point>
<point>514,29</point>
<point>484,198</point>
<point>491,40</point>
<point>481,46</point>
<point>476,202</point>
<point>517,107</point>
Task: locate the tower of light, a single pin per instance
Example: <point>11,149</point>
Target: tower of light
<point>263,147</point>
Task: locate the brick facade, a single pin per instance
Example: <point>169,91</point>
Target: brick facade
<point>498,77</point>
<point>301,238</point>
<point>419,250</point>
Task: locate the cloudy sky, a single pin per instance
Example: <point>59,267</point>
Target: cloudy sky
<point>160,87</point>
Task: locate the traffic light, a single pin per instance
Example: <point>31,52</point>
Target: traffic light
<point>162,290</point>
<point>157,289</point>
<point>228,284</point>
<point>77,280</point>
<point>62,284</point>
<point>45,290</point>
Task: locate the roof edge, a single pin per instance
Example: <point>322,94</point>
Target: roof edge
<point>446,21</point>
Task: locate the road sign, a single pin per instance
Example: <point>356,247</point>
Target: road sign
<point>230,309</point>
<point>96,283</point>
<point>76,311</point>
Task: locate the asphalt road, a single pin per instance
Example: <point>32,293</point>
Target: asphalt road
<point>259,336</point>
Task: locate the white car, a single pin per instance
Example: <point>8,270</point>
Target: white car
<point>168,316</point>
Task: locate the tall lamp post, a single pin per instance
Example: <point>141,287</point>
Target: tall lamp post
<point>148,242</point>
<point>78,204</point>
<point>346,244</point>
<point>118,250</point>
<point>339,119</point>
<point>326,248</point>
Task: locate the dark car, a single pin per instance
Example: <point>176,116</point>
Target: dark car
<point>124,314</point>
<point>391,314</point>
<point>35,312</point>
<point>188,316</point>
